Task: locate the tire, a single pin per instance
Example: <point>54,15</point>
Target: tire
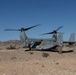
<point>60,49</point>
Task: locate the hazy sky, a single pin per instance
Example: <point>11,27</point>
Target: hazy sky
<point>49,13</point>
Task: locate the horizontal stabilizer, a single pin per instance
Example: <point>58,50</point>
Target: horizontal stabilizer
<point>72,37</point>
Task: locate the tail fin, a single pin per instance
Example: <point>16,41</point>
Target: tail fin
<point>60,38</point>
<point>72,41</point>
<point>72,37</point>
<point>23,38</point>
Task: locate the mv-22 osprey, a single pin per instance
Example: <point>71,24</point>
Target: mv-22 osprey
<point>55,43</point>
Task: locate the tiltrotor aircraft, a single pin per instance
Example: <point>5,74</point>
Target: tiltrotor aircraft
<point>56,42</point>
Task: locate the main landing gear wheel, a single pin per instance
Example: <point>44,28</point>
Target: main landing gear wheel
<point>60,49</point>
<point>74,48</point>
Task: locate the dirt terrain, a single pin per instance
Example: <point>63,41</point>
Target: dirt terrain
<point>19,61</point>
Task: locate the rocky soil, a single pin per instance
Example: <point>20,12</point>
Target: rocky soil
<point>19,61</point>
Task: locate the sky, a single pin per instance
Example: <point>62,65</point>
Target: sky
<point>15,14</point>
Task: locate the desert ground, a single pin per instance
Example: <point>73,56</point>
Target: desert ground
<point>19,61</point>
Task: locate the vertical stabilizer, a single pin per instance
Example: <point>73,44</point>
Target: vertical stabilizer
<point>72,41</point>
<point>72,37</point>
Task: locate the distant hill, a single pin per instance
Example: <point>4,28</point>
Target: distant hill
<point>13,43</point>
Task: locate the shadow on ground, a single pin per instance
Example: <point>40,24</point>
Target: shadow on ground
<point>68,51</point>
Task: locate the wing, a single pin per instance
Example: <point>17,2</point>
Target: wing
<point>45,44</point>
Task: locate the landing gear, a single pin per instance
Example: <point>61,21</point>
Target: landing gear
<point>29,46</point>
<point>60,49</point>
<point>74,48</point>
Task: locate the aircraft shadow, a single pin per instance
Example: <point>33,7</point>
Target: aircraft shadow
<point>68,51</point>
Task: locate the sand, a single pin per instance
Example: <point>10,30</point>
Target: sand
<point>22,62</point>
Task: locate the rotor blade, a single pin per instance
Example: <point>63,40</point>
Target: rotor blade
<point>11,29</point>
<point>22,29</point>
<point>59,28</point>
<point>47,33</point>
<point>31,27</point>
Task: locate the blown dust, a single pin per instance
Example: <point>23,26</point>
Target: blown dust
<point>19,61</point>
